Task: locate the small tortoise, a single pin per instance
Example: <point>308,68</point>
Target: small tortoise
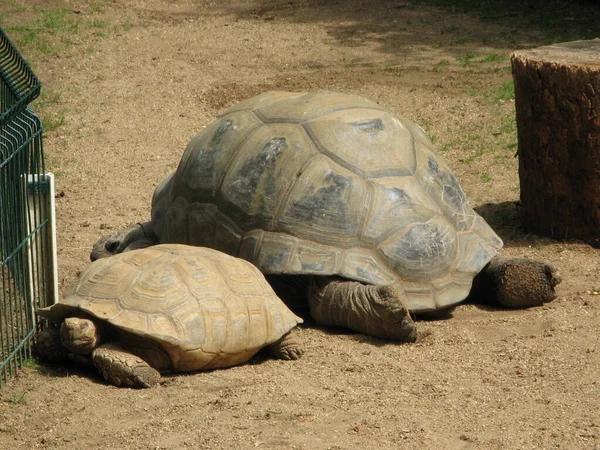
<point>336,188</point>
<point>168,308</point>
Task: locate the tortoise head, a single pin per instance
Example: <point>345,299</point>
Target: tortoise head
<point>80,335</point>
<point>135,237</point>
<point>105,246</point>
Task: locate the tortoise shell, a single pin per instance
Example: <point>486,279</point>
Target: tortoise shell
<point>324,183</point>
<point>206,309</point>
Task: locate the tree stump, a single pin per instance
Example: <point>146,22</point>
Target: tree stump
<point>557,98</point>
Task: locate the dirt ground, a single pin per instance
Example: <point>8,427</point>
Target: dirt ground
<point>123,96</point>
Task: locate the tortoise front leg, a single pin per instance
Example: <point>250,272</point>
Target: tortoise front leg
<point>378,311</point>
<point>123,368</point>
<point>48,347</point>
<point>138,236</point>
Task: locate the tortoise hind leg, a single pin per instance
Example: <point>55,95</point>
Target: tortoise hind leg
<point>123,368</point>
<point>516,283</point>
<point>287,347</point>
<point>378,311</point>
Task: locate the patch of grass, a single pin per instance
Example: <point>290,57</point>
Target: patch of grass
<point>461,40</point>
<point>47,106</point>
<point>98,23</point>
<point>98,7</point>
<point>45,32</point>
<point>48,97</point>
<point>485,177</point>
<point>464,61</point>
<point>18,398</point>
<point>31,363</point>
<point>508,125</point>
<point>480,151</point>
<point>46,47</point>
<point>51,30</point>
<point>494,57</point>
<point>425,124</point>
<point>504,93</point>
<point>52,123</point>
<point>58,20</point>
<point>444,148</point>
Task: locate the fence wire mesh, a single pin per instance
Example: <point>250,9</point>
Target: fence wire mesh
<point>24,276</point>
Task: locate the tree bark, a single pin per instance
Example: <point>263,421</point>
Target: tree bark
<point>557,98</point>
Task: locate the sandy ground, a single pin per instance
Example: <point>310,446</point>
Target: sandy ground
<point>139,78</point>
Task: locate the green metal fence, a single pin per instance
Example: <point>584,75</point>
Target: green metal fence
<point>26,265</point>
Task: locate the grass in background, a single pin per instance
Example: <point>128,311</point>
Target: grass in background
<point>496,95</point>
<point>48,108</point>
<point>555,20</point>
<point>50,31</point>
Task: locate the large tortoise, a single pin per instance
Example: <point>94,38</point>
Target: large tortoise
<point>168,308</point>
<point>335,187</point>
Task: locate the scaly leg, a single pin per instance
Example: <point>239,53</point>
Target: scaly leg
<point>378,311</point>
<point>123,368</point>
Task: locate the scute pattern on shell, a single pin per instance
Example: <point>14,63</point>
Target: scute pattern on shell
<point>326,183</point>
<point>205,308</point>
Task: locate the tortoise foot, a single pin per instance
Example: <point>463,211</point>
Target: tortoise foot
<point>48,347</point>
<point>519,282</point>
<point>287,348</point>
<point>122,368</point>
<point>389,304</point>
<point>379,311</point>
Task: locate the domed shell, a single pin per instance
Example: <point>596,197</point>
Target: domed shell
<point>327,184</point>
<point>205,308</point>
